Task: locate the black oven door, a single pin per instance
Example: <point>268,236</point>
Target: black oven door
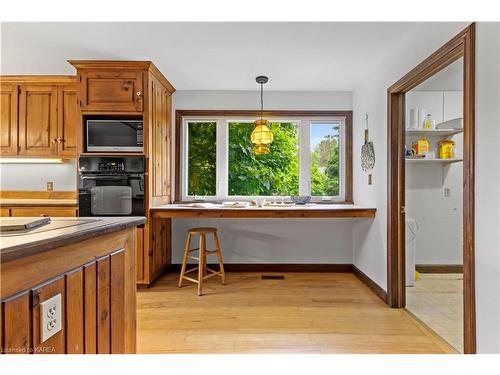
<point>112,195</point>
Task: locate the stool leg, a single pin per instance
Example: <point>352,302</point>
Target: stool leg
<point>219,257</point>
<point>201,264</point>
<point>185,258</point>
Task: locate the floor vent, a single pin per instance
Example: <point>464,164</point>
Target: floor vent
<point>272,277</point>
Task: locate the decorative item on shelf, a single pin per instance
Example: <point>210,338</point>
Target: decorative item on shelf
<point>420,147</point>
<point>261,135</point>
<point>429,122</point>
<point>300,199</point>
<point>446,149</point>
<point>367,151</point>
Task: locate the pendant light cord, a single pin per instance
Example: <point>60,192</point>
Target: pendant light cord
<point>261,101</point>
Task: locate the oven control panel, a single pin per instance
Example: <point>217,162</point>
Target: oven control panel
<point>111,166</point>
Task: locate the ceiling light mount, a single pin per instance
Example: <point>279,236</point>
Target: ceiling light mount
<point>261,80</point>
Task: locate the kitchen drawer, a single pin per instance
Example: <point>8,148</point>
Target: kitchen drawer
<point>43,211</point>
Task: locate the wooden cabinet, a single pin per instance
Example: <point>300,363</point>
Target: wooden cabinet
<point>96,281</point>
<point>137,88</point>
<point>113,91</point>
<point>38,120</point>
<point>38,116</point>
<point>43,211</point>
<point>8,119</point>
<point>67,121</point>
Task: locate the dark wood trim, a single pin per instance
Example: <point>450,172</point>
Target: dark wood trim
<point>462,45</point>
<point>372,285</point>
<point>439,268</point>
<point>278,267</point>
<point>179,114</point>
<point>262,213</point>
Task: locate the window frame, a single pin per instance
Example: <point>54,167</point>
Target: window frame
<point>222,118</point>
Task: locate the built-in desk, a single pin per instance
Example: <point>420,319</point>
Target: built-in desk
<point>297,211</point>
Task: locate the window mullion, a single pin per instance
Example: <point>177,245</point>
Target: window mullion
<point>222,159</point>
<point>304,157</point>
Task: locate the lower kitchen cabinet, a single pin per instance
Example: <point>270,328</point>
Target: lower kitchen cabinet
<point>42,211</point>
<point>97,298</point>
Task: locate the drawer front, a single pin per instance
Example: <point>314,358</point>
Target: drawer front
<point>43,211</point>
<point>111,91</point>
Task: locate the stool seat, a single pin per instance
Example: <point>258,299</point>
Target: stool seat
<point>204,272</point>
<point>202,230</point>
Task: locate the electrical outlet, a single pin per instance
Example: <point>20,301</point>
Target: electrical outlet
<point>50,317</point>
<point>50,186</point>
<point>447,192</point>
<point>370,179</point>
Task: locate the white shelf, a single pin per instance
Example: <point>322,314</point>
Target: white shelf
<point>433,132</point>
<point>432,161</point>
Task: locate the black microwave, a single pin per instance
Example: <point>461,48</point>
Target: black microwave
<point>114,135</point>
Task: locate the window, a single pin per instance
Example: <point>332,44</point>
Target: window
<point>309,156</point>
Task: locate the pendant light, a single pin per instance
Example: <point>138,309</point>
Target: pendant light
<point>261,135</point>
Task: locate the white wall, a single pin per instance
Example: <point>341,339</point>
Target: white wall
<point>369,239</point>
<point>439,218</point>
<point>275,240</point>
<point>34,177</point>
<point>487,226</point>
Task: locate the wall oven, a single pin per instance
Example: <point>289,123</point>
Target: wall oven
<point>114,135</point>
<point>111,186</point>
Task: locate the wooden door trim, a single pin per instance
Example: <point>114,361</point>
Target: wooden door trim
<point>462,45</point>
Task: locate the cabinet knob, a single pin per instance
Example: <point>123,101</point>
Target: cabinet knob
<point>55,140</point>
<point>138,93</point>
<point>60,140</point>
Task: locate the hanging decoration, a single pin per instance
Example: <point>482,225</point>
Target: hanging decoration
<point>261,136</point>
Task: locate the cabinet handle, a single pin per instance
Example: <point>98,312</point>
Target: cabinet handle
<point>138,93</point>
<point>60,140</point>
<point>55,140</point>
<point>44,215</point>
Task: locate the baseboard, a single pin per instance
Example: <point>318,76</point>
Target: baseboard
<point>439,268</point>
<point>278,267</point>
<point>374,287</point>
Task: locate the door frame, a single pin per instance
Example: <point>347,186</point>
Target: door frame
<point>462,45</point>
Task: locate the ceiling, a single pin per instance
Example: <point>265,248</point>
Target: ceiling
<point>215,56</point>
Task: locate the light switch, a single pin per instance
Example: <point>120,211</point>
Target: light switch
<point>50,317</point>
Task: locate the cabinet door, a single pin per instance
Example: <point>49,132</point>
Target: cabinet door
<point>38,120</point>
<point>111,91</point>
<point>67,122</point>
<point>43,211</point>
<point>160,134</point>
<point>8,119</point>
<point>453,105</point>
<point>4,212</point>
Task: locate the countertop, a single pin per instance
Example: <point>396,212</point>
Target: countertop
<point>297,211</point>
<point>21,202</point>
<point>60,232</point>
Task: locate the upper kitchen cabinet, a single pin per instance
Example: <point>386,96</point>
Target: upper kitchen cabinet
<point>111,86</point>
<point>38,120</point>
<point>67,120</point>
<point>8,119</point>
<point>38,116</point>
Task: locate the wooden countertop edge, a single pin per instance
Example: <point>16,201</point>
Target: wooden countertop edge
<point>35,247</point>
<point>35,203</point>
<point>264,213</point>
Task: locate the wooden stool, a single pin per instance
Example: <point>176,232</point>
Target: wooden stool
<point>202,258</point>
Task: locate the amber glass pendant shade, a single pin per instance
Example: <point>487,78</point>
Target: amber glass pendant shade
<point>261,149</point>
<point>261,134</point>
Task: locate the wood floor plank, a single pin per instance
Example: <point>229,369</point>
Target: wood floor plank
<point>305,313</point>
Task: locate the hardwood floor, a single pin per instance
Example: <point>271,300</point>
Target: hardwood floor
<point>305,313</point>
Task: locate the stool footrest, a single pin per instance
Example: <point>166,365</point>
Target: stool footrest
<point>190,279</point>
<point>191,270</point>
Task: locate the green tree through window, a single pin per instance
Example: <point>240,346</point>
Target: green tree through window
<point>202,154</point>
<point>274,173</point>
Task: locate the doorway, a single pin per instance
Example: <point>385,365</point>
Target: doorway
<point>461,47</point>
